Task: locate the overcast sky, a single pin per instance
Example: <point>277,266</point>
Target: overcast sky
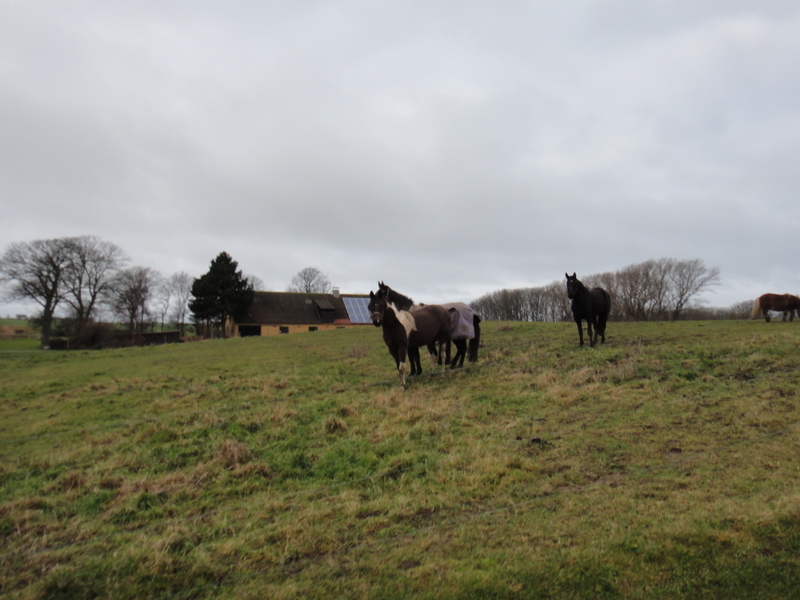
<point>449,148</point>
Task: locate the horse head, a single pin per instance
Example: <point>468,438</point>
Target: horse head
<point>376,307</point>
<point>573,285</point>
<point>399,300</point>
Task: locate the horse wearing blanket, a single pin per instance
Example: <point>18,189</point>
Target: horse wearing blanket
<point>466,324</point>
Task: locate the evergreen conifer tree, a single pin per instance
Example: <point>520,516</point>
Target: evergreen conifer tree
<point>222,293</point>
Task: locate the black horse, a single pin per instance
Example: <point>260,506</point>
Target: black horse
<point>592,306</point>
<point>466,324</point>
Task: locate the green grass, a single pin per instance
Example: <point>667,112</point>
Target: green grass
<point>660,465</point>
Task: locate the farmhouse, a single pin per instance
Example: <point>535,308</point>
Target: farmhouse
<point>274,313</point>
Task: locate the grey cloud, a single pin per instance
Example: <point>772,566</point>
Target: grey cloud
<point>449,148</point>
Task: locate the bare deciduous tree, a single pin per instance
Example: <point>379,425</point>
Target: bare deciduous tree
<point>689,278</point>
<point>255,282</point>
<point>75,270</point>
<point>35,271</point>
<point>310,281</point>
<point>162,301</point>
<point>181,291</point>
<point>87,279</point>
<point>132,292</point>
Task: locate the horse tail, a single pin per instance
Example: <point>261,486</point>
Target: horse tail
<point>607,307</point>
<point>756,308</point>
<point>475,342</point>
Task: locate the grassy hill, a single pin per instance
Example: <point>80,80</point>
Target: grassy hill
<point>661,465</point>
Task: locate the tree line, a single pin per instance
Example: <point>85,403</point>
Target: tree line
<point>85,279</point>
<point>663,289</point>
<point>84,276</point>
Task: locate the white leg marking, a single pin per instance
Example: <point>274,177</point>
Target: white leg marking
<point>402,368</point>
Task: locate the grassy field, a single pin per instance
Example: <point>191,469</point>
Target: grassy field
<point>661,465</point>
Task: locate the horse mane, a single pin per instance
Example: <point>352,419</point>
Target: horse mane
<point>399,300</point>
<point>756,308</point>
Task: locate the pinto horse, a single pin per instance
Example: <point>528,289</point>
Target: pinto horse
<point>466,324</point>
<point>785,303</point>
<point>592,306</point>
<point>405,332</point>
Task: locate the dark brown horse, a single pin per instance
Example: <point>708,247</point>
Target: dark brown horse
<point>785,303</point>
<point>592,306</point>
<point>405,332</point>
<point>466,324</point>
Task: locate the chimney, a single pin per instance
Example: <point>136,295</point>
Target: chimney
<point>335,292</point>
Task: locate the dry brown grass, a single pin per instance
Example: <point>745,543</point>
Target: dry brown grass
<point>233,453</point>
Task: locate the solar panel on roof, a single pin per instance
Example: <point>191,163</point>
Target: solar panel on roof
<point>357,309</point>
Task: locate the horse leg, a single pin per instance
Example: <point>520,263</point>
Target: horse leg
<point>434,354</point>
<point>597,329</point>
<point>601,326</point>
<point>592,331</point>
<point>475,343</point>
<point>413,356</point>
<point>580,330</point>
<point>444,354</point>
<point>399,355</point>
<point>461,350</point>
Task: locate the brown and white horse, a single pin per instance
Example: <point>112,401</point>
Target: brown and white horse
<point>405,332</point>
<point>466,324</point>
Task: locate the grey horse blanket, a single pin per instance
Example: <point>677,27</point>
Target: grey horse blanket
<point>462,316</point>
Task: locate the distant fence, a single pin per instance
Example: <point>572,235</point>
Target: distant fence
<point>118,340</point>
<point>17,332</point>
<point>157,337</point>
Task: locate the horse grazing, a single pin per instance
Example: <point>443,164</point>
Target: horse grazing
<point>785,303</point>
<point>466,324</point>
<point>405,332</point>
<point>592,306</point>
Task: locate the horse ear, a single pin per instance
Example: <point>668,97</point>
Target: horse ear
<point>565,275</point>
<point>371,295</point>
<point>574,275</point>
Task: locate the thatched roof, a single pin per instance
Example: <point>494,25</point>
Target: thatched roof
<point>291,308</point>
